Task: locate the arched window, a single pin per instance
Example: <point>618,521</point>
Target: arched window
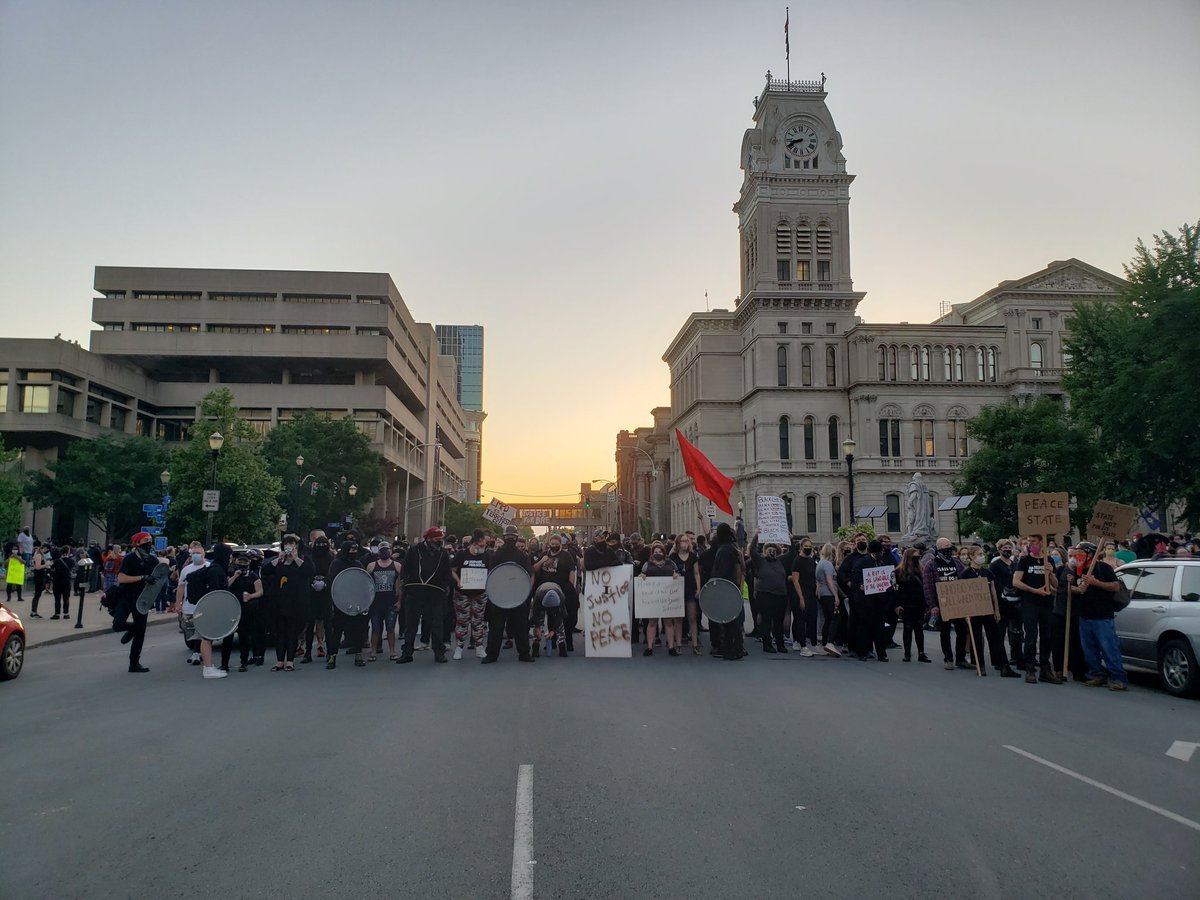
<point>785,437</point>
<point>979,376</point>
<point>809,438</point>
<point>991,364</point>
<point>835,445</point>
<point>1035,356</point>
<point>810,514</point>
<point>914,373</point>
<point>835,511</point>
<point>806,366</point>
<point>892,354</point>
<point>925,364</point>
<point>830,367</point>
<point>883,363</point>
<point>781,365</point>
<point>958,363</point>
<point>947,374</point>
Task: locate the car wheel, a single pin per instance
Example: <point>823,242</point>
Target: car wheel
<point>13,658</point>
<point>1177,668</point>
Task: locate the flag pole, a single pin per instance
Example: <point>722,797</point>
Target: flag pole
<point>787,43</point>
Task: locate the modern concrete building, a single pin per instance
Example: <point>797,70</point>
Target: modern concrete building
<point>343,343</point>
<point>773,389</point>
<point>465,344</point>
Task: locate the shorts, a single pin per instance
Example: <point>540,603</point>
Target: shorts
<point>187,627</point>
<point>540,615</point>
<point>384,611</point>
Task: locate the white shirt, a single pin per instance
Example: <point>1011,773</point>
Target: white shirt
<point>25,542</point>
<point>189,607</point>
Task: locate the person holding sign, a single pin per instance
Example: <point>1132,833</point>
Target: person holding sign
<point>770,588</point>
<point>988,626</point>
<point>470,601</point>
<point>1097,625</point>
<point>1037,612</point>
<point>944,566</point>
<point>658,566</point>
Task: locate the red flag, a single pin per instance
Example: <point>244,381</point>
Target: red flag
<point>706,478</point>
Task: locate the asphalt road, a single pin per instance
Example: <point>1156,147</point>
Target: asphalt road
<point>662,777</point>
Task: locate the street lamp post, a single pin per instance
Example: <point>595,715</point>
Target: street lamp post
<point>408,479</point>
<point>848,446</point>
<point>215,443</point>
<point>352,490</point>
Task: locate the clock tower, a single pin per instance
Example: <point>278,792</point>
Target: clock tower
<point>794,208</point>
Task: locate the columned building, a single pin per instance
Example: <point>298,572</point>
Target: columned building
<point>778,390</point>
<point>341,343</point>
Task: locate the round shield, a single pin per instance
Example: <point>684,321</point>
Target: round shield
<point>508,585</point>
<point>217,615</point>
<point>720,600</point>
<point>352,591</point>
<point>151,588</point>
<point>549,595</point>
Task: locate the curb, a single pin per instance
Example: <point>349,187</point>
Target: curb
<point>68,638</point>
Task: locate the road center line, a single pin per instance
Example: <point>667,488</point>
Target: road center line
<point>1166,813</point>
<point>522,859</point>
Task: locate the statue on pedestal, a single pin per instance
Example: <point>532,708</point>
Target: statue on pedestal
<point>918,520</point>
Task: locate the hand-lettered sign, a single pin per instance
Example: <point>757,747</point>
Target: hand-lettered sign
<point>966,597</point>
<point>658,597</point>
<point>1044,515</point>
<point>772,521</point>
<point>1111,520</point>
<point>878,579</point>
<point>605,613</point>
<point>500,513</point>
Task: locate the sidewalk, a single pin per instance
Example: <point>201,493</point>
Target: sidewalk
<point>46,631</point>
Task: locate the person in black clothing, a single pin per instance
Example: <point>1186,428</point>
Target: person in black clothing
<point>426,564</point>
<point>704,562</point>
<point>1077,664</point>
<point>1097,593</point>
<point>771,590</point>
<point>136,569</point>
<point>517,620</point>
<point>353,628</point>
<point>319,600</point>
<point>988,626</point>
<point>853,619</point>
<point>1037,613</point>
<point>945,566</point>
<point>557,566</point>
<point>287,582</point>
<point>727,563</point>
<point>910,603</point>
<point>245,583</point>
<point>60,584</point>
<point>1002,567</point>
<point>804,596</point>
<point>868,613</point>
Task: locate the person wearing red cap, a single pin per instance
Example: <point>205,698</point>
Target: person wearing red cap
<point>426,564</point>
<point>136,570</point>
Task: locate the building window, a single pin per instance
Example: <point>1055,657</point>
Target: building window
<point>883,363</point>
<point>787,509</point>
<point>831,327</point>
<point>117,418</point>
<point>783,270</point>
<point>914,373</point>
<point>889,437</point>
<point>925,364</point>
<point>35,398</point>
<point>923,438</point>
<point>835,445</point>
<point>781,365</point>
<point>824,240</point>
<point>835,511</point>
<point>66,403</point>
<point>3,397</point>
<point>893,512</point>
<point>979,376</point>
<point>785,437</point>
<point>830,367</point>
<point>957,434</point>
<point>810,427</point>
<point>822,270</point>
<point>782,326</point>
<point>806,327</point>
<point>804,242</point>
<point>991,363</point>
<point>810,514</point>
<point>892,354</point>
<point>806,366</point>
<point>241,329</point>
<point>947,374</point>
<point>94,410</point>
<point>1035,356</point>
<point>958,363</point>
<point>1036,323</point>
<point>113,326</point>
<point>803,270</point>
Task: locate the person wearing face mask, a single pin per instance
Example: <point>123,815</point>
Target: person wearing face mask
<point>288,582</point>
<point>198,578</point>
<point>1037,588</point>
<point>516,620</point>
<point>386,606</point>
<point>856,613</point>
<point>353,629</point>
<point>685,561</point>
<point>1001,567</point>
<point>1067,575</point>
<point>320,602</point>
<point>807,609</point>
<point>246,584</point>
<point>988,626</point>
<point>945,566</point>
<point>557,566</point>
<point>426,563</point>
<point>910,603</point>
<point>470,604</point>
<point>136,568</point>
<point>771,590</point>
<point>658,566</point>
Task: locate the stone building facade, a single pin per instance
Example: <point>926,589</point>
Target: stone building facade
<point>779,390</point>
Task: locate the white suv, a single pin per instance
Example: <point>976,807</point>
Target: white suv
<point>1160,629</point>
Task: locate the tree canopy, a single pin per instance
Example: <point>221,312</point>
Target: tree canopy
<point>11,491</point>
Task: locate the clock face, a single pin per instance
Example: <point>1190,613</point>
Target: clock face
<point>800,140</point>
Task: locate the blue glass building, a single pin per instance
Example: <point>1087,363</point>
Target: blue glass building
<point>465,344</point>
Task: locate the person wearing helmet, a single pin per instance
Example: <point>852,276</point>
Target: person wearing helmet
<point>1097,591</point>
<point>426,564</point>
<point>517,620</point>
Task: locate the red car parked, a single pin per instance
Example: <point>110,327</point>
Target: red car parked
<point>12,644</point>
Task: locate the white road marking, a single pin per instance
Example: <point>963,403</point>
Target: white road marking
<point>1165,813</point>
<point>522,861</point>
<point>800,807</point>
<point>1182,750</point>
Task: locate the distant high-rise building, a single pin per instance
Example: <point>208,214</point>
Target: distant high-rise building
<point>465,344</point>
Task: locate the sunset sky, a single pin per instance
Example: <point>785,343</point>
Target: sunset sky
<point>562,173</point>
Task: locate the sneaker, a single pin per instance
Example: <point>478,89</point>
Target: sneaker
<point>832,650</point>
<point>805,651</point>
<point>480,652</point>
<point>138,668</point>
<point>55,616</point>
<point>243,668</point>
<point>921,657</point>
<point>649,651</point>
<point>508,645</point>
<point>421,647</point>
<point>458,652</point>
<point>1094,682</point>
<point>948,666</point>
<point>1117,686</point>
<point>194,659</point>
<point>213,672</point>
<point>819,651</point>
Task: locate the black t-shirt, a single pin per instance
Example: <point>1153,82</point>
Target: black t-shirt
<point>135,564</point>
<point>1097,603</point>
<point>726,562</point>
<point>556,568</point>
<point>806,568</point>
<point>288,585</point>
<point>243,583</point>
<point>510,553</point>
<point>687,568</point>
<point>385,579</point>
<point>200,581</point>
<point>1033,573</point>
<point>466,560</point>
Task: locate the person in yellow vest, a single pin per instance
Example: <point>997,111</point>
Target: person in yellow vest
<point>14,574</point>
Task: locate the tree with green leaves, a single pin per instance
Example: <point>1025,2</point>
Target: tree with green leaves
<point>249,505</point>
<point>333,450</point>
<point>12,488</point>
<point>1027,449</point>
<point>463,518</point>
<point>1129,375</point>
<point>107,479</point>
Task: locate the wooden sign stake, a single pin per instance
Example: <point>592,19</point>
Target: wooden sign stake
<point>974,652</point>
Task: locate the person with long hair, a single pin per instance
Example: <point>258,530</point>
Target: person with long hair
<point>911,605</point>
<point>685,561</point>
<point>828,599</point>
<point>658,566</point>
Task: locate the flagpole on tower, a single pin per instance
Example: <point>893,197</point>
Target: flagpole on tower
<point>787,43</point>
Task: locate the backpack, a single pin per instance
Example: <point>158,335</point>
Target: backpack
<point>1122,596</point>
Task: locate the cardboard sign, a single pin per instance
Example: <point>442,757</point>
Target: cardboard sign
<point>969,597</point>
<point>1044,515</point>
<point>1112,520</point>
<point>535,516</point>
<point>772,521</point>
<point>604,612</point>
<point>877,580</point>
<point>658,597</point>
<point>500,513</point>
<point>472,578</point>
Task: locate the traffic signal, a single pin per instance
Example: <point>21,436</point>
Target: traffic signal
<point>478,501</point>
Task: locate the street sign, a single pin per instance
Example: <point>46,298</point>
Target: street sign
<point>211,502</point>
<point>712,511</point>
<point>166,500</point>
<point>349,518</point>
<point>152,509</point>
<point>334,525</point>
<point>160,543</point>
<point>152,529</point>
